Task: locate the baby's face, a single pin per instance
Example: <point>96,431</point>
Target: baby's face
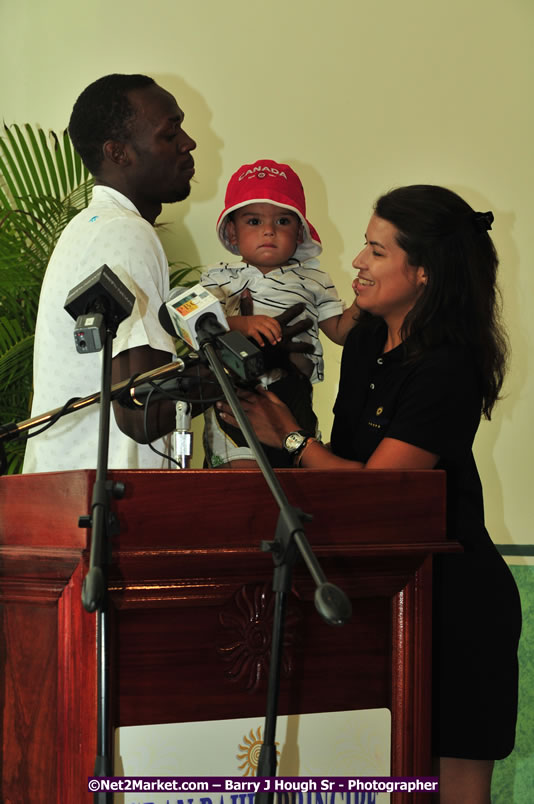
<point>265,234</point>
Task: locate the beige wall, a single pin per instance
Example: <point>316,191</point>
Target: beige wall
<point>358,97</point>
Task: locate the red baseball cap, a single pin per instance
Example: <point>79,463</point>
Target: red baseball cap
<point>266,181</point>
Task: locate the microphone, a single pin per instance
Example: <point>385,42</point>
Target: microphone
<point>99,302</point>
<point>196,316</point>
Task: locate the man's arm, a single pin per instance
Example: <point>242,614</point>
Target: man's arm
<point>161,414</point>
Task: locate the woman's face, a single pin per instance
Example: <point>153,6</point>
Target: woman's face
<point>386,285</point>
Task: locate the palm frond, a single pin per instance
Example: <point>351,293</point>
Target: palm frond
<point>45,150</point>
<point>23,311</point>
<point>32,164</point>
<point>29,234</point>
<point>43,184</point>
<point>15,376</point>
<point>14,452</point>
<point>184,276</point>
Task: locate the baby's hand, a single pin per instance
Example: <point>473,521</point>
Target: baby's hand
<point>260,327</point>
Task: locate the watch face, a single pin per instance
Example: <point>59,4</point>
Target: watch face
<point>293,441</point>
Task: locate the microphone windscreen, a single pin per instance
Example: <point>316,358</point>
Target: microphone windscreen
<point>163,315</point>
<point>165,320</point>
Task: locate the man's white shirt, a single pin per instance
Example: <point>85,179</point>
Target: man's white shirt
<point>109,231</point>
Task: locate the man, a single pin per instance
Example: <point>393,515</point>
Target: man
<point>128,131</point>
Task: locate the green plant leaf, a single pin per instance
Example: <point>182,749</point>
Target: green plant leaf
<point>69,161</point>
<point>8,166</point>
<point>186,275</point>
<point>33,181</point>
<point>60,163</point>
<point>50,163</point>
<point>41,171</point>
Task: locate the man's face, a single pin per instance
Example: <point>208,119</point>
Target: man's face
<point>161,165</point>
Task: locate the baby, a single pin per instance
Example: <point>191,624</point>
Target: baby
<point>264,221</point>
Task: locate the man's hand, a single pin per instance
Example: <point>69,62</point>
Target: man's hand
<point>286,344</point>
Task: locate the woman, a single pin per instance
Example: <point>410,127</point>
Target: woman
<point>425,360</point>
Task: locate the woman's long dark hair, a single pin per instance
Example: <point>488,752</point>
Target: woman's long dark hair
<point>460,303</point>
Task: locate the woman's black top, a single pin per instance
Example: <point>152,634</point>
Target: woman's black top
<point>434,403</point>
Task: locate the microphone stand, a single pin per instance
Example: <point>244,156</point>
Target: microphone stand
<point>14,430</point>
<point>289,541</point>
<point>104,525</point>
<point>99,304</point>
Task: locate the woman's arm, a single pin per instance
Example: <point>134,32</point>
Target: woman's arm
<point>272,421</point>
<point>390,454</point>
<point>394,454</point>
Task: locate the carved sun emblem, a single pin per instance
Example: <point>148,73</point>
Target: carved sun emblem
<point>248,625</point>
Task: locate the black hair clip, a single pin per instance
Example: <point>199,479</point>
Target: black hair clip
<point>483,220</point>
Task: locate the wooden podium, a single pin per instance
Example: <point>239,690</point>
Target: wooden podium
<point>191,610</point>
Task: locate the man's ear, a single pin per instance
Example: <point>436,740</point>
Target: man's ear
<point>116,152</point>
<point>300,235</point>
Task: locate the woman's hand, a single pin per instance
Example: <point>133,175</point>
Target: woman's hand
<point>269,417</point>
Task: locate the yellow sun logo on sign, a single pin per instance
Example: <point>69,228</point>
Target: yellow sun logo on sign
<point>251,752</point>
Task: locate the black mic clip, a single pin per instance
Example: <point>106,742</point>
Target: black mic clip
<point>238,353</point>
<point>208,329</point>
